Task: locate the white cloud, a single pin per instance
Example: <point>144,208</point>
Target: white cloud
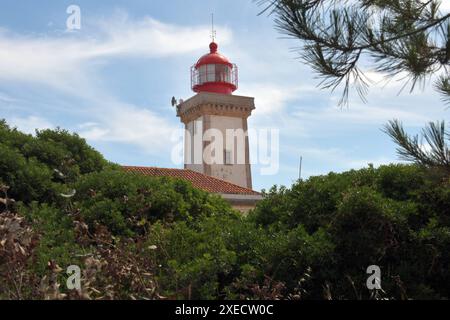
<point>151,38</point>
<point>316,112</point>
<point>361,114</point>
<point>29,124</point>
<point>70,63</point>
<point>271,98</point>
<point>445,6</point>
<point>67,63</point>
<point>129,124</point>
<point>6,98</point>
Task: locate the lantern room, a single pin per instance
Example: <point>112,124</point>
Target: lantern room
<point>214,73</point>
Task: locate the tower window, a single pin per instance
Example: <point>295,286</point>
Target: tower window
<point>227,157</point>
<point>222,73</point>
<point>214,73</point>
<point>211,71</point>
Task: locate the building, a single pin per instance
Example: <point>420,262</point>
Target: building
<point>242,199</point>
<point>216,148</point>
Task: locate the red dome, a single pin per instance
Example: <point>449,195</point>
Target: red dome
<point>213,57</point>
<point>214,73</point>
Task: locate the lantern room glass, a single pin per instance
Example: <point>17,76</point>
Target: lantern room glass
<point>214,73</point>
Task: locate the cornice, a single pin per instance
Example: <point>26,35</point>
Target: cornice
<point>215,104</point>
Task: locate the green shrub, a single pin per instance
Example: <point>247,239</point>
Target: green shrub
<point>161,237</point>
<point>57,241</point>
<point>396,217</point>
<point>36,168</point>
<point>28,179</point>
<point>125,202</point>
<point>193,259</point>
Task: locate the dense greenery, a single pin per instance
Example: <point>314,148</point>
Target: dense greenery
<point>140,237</point>
<point>395,217</point>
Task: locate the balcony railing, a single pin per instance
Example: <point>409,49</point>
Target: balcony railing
<point>214,73</point>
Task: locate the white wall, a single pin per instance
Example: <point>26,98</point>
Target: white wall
<point>194,153</point>
<point>193,145</point>
<point>235,173</point>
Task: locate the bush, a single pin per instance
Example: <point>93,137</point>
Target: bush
<point>126,202</point>
<point>36,168</point>
<point>137,237</point>
<point>395,217</point>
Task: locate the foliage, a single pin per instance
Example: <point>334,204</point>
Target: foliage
<point>17,242</point>
<point>395,217</point>
<point>398,36</point>
<point>37,168</point>
<point>136,237</point>
<point>126,202</point>
<point>111,270</point>
<point>411,148</point>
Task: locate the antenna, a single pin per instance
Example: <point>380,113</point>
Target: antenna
<point>300,168</point>
<point>213,31</point>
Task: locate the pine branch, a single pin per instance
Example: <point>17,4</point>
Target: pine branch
<point>435,155</point>
<point>401,36</point>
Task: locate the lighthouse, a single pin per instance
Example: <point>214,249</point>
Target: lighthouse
<point>215,120</point>
<point>216,144</point>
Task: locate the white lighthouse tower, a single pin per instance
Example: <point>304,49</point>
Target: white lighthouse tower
<point>216,141</point>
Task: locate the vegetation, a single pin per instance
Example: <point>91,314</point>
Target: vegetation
<point>136,237</point>
<point>408,37</point>
<point>436,154</point>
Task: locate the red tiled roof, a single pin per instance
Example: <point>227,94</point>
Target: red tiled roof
<point>198,180</point>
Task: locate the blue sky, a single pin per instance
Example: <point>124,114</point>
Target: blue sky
<point>112,82</point>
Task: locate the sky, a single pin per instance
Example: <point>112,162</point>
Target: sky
<point>112,82</point>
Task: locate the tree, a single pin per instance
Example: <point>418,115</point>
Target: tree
<point>409,37</point>
<point>435,155</point>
